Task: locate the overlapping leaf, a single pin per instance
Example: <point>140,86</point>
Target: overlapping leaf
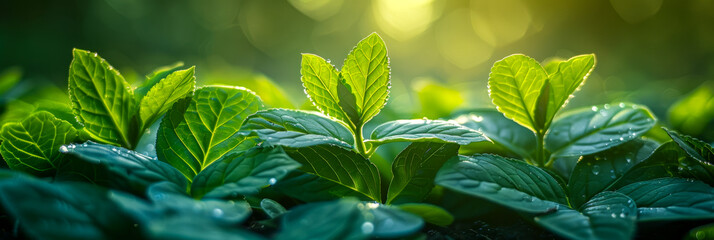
<point>414,170</point>
<point>32,145</point>
<point>292,128</point>
<point>320,79</point>
<point>424,131</point>
<point>671,199</point>
<point>500,130</point>
<point>503,181</point>
<point>164,94</point>
<point>243,173</point>
<point>102,100</point>
<point>700,163</point>
<point>590,130</point>
<point>198,131</point>
<point>566,78</point>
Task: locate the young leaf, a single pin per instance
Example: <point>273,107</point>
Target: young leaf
<point>321,79</point>
<point>102,100</point>
<point>424,131</point>
<point>64,210</point>
<point>366,74</point>
<point>671,199</point>
<point>507,182</point>
<point>165,93</point>
<point>414,170</point>
<point>701,163</point>
<point>500,130</point>
<point>608,215</point>
<point>515,84</point>
<point>242,173</point>
<point>194,134</point>
<point>565,79</point>
<point>154,78</point>
<point>589,130</point>
<point>130,171</point>
<point>294,128</point>
<point>599,172</point>
<point>31,145</point>
<point>341,166</point>
<point>430,213</point>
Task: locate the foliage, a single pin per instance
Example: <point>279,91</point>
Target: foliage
<point>169,160</point>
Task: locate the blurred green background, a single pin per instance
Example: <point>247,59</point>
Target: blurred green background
<point>652,52</point>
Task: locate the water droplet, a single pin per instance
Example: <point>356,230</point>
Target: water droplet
<point>622,139</point>
<point>596,169</point>
<point>136,225</point>
<point>594,108</point>
<point>614,215</point>
<point>622,105</point>
<point>63,149</point>
<point>115,149</point>
<point>217,212</point>
<point>272,181</point>
<point>623,215</point>
<point>607,106</point>
<point>628,159</point>
<point>148,131</point>
<point>367,227</point>
<point>701,235</point>
<point>603,113</point>
<point>85,145</point>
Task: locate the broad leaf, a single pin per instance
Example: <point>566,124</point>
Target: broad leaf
<point>414,170</point>
<point>663,162</point>
<point>424,131</point>
<point>164,94</point>
<point>341,219</point>
<point>308,187</point>
<point>565,79</point>
<point>154,78</point>
<point>599,172</point>
<point>242,173</point>
<point>700,165</point>
<point>130,171</point>
<point>196,132</point>
<point>366,74</point>
<point>608,215</point>
<point>341,166</point>
<point>170,215</point>
<point>348,219</point>
<point>671,199</point>
<point>590,130</point>
<point>500,130</point>
<point>515,83</point>
<point>507,182</point>
<point>320,79</point>
<point>102,100</point>
<point>31,145</point>
<point>293,128</point>
<point>64,210</point>
<point>430,213</point>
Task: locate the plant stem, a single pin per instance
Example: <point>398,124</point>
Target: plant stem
<point>540,149</point>
<point>359,141</point>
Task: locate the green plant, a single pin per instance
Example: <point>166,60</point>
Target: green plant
<point>226,167</point>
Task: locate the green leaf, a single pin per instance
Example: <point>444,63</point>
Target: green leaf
<point>130,171</point>
<point>64,210</point>
<point>599,172</point>
<point>242,173</point>
<point>589,130</point>
<point>272,208</point>
<point>566,78</point>
<point>170,215</point>
<point>31,145</point>
<point>348,219</point>
<point>702,232</point>
<point>341,219</point>
<point>341,166</point>
<point>507,182</point>
<point>414,170</point>
<point>701,163</point>
<point>154,78</point>
<point>295,128</point>
<point>424,131</point>
<point>608,215</point>
<point>500,130</point>
<point>671,199</point>
<point>681,117</point>
<point>430,213</point>
<point>165,93</point>
<point>515,83</point>
<point>320,79</point>
<point>9,77</point>
<point>308,187</point>
<point>664,162</point>
<point>194,134</point>
<point>366,74</point>
<point>102,100</point>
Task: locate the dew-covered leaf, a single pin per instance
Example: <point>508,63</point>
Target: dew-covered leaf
<point>700,164</point>
<point>667,199</point>
<point>414,170</point>
<point>500,130</point>
<point>424,131</point>
<point>164,94</point>
<point>321,79</point>
<point>294,128</point>
<point>566,78</point>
